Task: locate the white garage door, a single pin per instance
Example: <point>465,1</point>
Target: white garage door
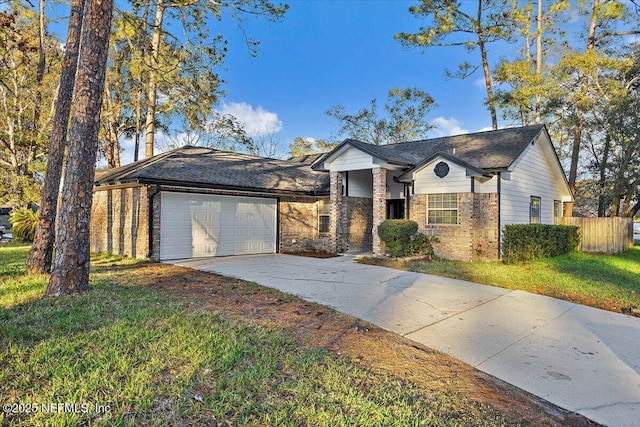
<point>202,225</point>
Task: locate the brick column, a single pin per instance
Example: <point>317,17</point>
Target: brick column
<point>335,208</point>
<point>379,207</point>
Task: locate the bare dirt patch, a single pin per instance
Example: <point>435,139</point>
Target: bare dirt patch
<point>314,254</point>
<point>380,351</point>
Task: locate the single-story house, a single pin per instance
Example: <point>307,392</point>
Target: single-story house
<point>198,202</point>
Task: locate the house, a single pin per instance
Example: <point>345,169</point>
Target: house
<point>193,202</point>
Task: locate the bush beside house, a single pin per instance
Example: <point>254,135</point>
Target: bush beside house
<point>401,237</point>
<point>527,242</point>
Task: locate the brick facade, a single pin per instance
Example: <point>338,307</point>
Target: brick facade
<point>475,237</point>
<point>357,223</point>
<point>337,242</point>
<point>299,222</point>
<point>379,207</point>
<point>120,222</point>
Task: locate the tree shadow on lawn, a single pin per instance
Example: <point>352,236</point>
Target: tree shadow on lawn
<point>611,280</point>
<point>43,318</point>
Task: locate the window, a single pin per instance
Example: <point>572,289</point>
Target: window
<point>442,208</point>
<point>557,208</point>
<point>323,215</point>
<point>534,210</point>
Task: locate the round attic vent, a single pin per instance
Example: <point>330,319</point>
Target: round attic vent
<point>441,169</point>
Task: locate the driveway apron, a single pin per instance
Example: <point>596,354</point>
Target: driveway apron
<point>580,358</point>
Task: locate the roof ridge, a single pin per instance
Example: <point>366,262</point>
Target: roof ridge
<point>145,163</point>
<point>471,134</point>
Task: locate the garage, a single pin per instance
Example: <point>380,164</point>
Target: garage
<point>203,225</point>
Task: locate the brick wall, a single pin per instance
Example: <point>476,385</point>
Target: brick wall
<point>357,223</point>
<point>476,234</point>
<point>299,226</point>
<point>379,208</point>
<point>120,222</point>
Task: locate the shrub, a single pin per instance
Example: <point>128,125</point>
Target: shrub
<point>402,238</point>
<point>23,224</point>
<point>396,234</point>
<point>421,244</point>
<point>527,242</point>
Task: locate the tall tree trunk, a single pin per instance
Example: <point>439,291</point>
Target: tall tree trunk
<point>539,29</point>
<point>603,176</point>
<point>41,252</point>
<point>71,269</point>
<point>491,102</point>
<point>111,130</point>
<point>42,63</point>
<point>577,131</point>
<point>152,91</point>
<point>138,123</point>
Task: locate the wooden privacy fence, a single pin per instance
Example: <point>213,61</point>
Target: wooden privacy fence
<point>603,235</point>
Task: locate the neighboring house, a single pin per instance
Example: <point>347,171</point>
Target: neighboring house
<point>204,202</point>
<point>5,212</point>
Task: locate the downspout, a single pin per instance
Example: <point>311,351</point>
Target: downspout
<point>407,202</point>
<point>151,196</point>
<point>499,206</point>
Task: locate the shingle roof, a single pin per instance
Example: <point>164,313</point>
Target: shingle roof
<point>198,166</point>
<point>491,150</point>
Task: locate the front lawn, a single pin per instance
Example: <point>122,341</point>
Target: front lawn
<point>148,346</point>
<point>610,282</point>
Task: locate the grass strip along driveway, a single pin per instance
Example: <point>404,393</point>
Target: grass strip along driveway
<point>153,344</point>
<point>609,282</point>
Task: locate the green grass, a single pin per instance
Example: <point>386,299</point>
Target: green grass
<point>148,359</point>
<point>604,281</point>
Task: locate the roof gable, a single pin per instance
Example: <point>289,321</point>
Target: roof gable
<point>471,170</point>
<point>490,150</point>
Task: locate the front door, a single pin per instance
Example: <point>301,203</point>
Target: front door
<point>395,209</point>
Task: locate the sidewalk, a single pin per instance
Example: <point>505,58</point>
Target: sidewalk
<point>580,358</point>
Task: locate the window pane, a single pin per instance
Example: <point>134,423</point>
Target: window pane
<point>443,216</point>
<point>557,208</point>
<point>323,224</point>
<point>323,207</point>
<point>535,210</point>
<point>442,208</point>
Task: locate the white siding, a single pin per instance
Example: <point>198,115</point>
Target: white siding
<point>531,176</point>
<point>395,190</point>
<point>351,159</point>
<point>427,182</point>
<point>488,186</point>
<point>360,183</point>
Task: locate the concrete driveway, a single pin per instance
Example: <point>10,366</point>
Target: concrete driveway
<point>580,358</point>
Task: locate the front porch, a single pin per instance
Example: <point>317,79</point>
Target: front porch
<point>360,200</point>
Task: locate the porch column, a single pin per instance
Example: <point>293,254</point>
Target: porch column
<point>335,201</point>
<point>379,207</point>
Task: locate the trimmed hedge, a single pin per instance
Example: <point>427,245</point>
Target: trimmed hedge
<point>527,242</point>
<point>402,238</point>
<point>396,234</point>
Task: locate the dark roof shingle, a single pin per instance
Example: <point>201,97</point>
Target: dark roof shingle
<point>490,150</point>
<point>195,166</point>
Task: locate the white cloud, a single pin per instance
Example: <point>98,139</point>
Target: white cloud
<point>447,127</point>
<point>480,83</point>
<point>256,121</point>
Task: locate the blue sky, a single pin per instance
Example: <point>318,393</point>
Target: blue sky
<point>328,52</point>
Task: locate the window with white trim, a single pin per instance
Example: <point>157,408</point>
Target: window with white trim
<point>323,215</point>
<point>534,210</point>
<point>557,208</point>
<point>442,208</point>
